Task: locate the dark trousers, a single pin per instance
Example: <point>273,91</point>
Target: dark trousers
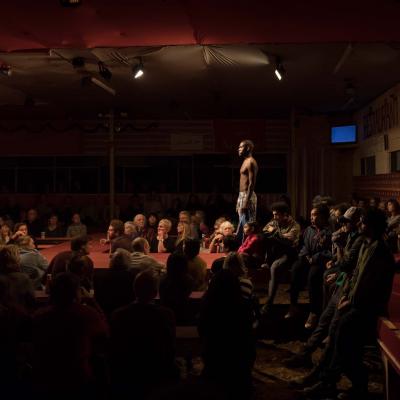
<point>314,274</point>
<point>351,333</point>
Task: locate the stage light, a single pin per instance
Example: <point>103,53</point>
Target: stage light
<point>138,70</point>
<point>104,71</point>
<point>5,70</point>
<point>70,3</point>
<point>279,70</point>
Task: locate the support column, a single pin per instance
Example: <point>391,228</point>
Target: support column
<point>111,152</point>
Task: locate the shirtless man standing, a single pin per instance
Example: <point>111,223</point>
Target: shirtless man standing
<point>246,206</point>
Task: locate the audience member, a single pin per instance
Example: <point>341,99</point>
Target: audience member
<point>54,228</point>
<point>163,243</point>
<point>281,239</point>
<point>185,217</point>
<point>5,234</point>
<point>76,228</point>
<point>130,230</point>
<point>66,338</point>
<point>226,229</point>
<point>21,288</point>
<point>197,267</point>
<point>33,223</point>
<point>142,351</point>
<point>176,287</point>
<point>313,256</point>
<point>225,327</point>
<point>152,224</point>
<point>183,230</point>
<point>252,245</point>
<point>20,229</point>
<point>230,243</point>
<point>140,259</point>
<point>32,262</point>
<point>79,248</point>
<point>393,224</point>
<point>117,237</point>
<point>113,287</point>
<point>363,300</point>
<point>140,225</point>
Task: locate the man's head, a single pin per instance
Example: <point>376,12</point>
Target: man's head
<point>230,244</point>
<point>76,218</point>
<point>350,219</point>
<point>184,216</point>
<point>393,206</point>
<point>115,229</point>
<point>145,286</point>
<point>139,221</point>
<point>280,212</point>
<point>120,260</point>
<point>320,216</point>
<point>32,215</point>
<point>53,220</point>
<point>246,148</point>
<point>80,244</point>
<point>141,245</point>
<point>373,223</point>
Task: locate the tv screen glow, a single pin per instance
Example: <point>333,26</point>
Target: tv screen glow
<point>344,134</point>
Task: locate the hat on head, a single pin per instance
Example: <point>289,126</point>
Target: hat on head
<point>352,214</point>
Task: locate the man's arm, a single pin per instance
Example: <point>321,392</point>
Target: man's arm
<point>252,175</point>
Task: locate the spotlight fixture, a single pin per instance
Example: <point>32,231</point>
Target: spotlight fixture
<point>5,70</point>
<point>70,3</point>
<point>104,71</point>
<point>279,70</point>
<point>138,70</point>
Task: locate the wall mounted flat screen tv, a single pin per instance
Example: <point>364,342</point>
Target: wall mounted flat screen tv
<point>344,134</point>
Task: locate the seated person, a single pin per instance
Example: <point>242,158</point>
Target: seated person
<point>184,216</point>
<point>54,229</point>
<point>76,228</point>
<point>152,224</point>
<point>33,223</point>
<point>163,243</point>
<point>281,236</point>
<point>113,286</point>
<point>142,348</point>
<point>253,244</point>
<point>197,267</point>
<point>130,230</point>
<point>393,224</point>
<point>32,262</point>
<point>79,247</point>
<point>140,259</point>
<point>116,237</point>
<point>226,229</point>
<point>140,225</point>
<point>312,258</point>
<point>176,287</point>
<point>5,234</point>
<point>230,244</point>
<point>66,337</point>
<point>20,229</point>
<point>183,230</point>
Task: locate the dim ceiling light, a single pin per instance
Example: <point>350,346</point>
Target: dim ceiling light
<point>279,70</point>
<point>138,70</point>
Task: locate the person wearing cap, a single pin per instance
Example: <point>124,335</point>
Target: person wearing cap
<point>362,301</point>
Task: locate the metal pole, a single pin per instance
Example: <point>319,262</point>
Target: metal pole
<point>111,147</point>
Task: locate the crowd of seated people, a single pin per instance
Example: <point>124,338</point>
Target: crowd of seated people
<point>105,336</point>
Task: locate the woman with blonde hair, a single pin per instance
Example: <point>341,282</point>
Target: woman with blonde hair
<point>225,229</point>
<point>5,234</point>
<point>183,230</point>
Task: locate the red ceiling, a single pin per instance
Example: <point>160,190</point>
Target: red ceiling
<point>121,23</point>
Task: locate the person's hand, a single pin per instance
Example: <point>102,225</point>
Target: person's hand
<point>343,303</point>
<point>271,229</point>
<point>85,293</point>
<point>330,278</point>
<point>161,234</point>
<point>329,264</point>
<point>103,241</point>
<point>309,259</point>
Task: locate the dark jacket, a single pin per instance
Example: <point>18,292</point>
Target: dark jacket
<point>317,244</point>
